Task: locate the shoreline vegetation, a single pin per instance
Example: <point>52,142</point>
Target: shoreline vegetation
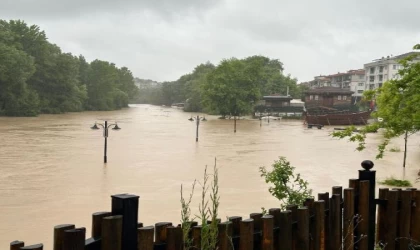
<point>37,77</point>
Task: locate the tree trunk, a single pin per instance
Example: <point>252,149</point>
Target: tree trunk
<point>405,148</point>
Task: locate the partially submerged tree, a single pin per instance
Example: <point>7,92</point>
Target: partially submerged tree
<point>398,108</point>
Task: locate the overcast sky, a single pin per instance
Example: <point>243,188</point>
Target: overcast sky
<point>164,39</point>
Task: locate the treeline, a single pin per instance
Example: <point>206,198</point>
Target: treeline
<point>221,89</point>
<point>37,77</point>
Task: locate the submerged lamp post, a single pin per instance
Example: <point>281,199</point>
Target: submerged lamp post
<point>105,128</point>
<point>197,120</point>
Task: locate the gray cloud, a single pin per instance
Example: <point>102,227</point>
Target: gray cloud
<point>163,39</point>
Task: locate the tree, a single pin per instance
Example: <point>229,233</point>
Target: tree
<point>398,108</point>
<point>232,87</point>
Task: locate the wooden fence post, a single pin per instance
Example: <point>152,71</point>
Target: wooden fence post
<point>16,245</point>
<point>160,232</point>
<point>348,240</point>
<point>326,198</point>
<point>59,234</point>
<point>236,220</point>
<point>415,229</point>
<point>127,205</point>
<point>391,219</point>
<point>285,235</point>
<point>257,217</point>
<point>303,229</point>
<point>319,216</point>
<point>175,241</point>
<point>267,242</point>
<point>293,209</point>
<point>74,239</point>
<point>224,234</point>
<point>275,212</point>
<point>145,238</point>
<point>93,244</point>
<point>363,227</point>
<point>370,175</point>
<point>33,247</point>
<point>246,238</point>
<point>405,220</point>
<point>383,197</point>
<point>196,237</point>
<point>97,223</point>
<point>112,233</point>
<point>335,222</point>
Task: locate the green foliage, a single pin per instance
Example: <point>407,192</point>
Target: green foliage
<point>36,77</point>
<point>208,214</point>
<point>289,188</point>
<point>186,220</point>
<point>232,87</point>
<point>398,110</point>
<point>208,211</point>
<point>396,182</point>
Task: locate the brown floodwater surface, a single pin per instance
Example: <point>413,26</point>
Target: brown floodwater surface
<point>52,171</point>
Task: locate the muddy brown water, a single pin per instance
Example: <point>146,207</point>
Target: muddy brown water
<point>51,169</point>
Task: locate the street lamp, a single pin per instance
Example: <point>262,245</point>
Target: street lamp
<point>197,120</point>
<point>105,128</point>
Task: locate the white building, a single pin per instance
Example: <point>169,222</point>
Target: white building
<point>384,69</point>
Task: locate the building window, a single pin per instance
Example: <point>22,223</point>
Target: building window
<point>360,91</point>
<point>361,84</point>
<point>394,66</point>
<point>316,97</point>
<point>381,69</point>
<point>371,78</point>
<point>311,97</point>
<point>372,70</point>
<point>380,85</point>
<point>361,77</point>
<point>339,97</point>
<point>380,78</point>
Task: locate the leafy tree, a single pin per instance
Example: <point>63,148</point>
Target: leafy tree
<point>16,99</point>
<point>398,108</point>
<point>289,188</point>
<point>232,87</point>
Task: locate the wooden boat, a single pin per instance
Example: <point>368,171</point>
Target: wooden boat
<point>338,118</point>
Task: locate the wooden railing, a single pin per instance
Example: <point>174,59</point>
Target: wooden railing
<point>344,220</point>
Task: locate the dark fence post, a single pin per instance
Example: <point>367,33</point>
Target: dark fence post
<point>224,234</point>
<point>405,219</point>
<point>16,245</point>
<point>58,235</point>
<point>174,238</point>
<point>285,236</point>
<point>145,238</point>
<point>112,232</point>
<point>364,206</point>
<point>319,223</point>
<point>97,223</point>
<point>246,238</point>
<point>368,175</point>
<point>303,229</point>
<point>74,239</point>
<point>127,205</point>
<point>267,242</point>
<point>33,247</point>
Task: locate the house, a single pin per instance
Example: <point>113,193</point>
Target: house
<point>328,97</point>
<point>278,104</point>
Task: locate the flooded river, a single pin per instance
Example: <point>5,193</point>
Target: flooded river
<point>52,171</point>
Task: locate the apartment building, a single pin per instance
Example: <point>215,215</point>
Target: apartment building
<point>381,70</point>
<point>352,80</point>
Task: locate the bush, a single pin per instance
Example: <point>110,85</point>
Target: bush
<point>289,188</point>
